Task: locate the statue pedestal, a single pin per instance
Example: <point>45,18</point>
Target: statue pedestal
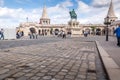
<point>74,28</point>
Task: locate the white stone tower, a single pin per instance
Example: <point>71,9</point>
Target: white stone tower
<point>44,19</point>
<point>111,14</point>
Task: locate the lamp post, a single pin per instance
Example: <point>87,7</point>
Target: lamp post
<point>107,22</point>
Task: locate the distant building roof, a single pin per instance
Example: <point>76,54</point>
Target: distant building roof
<point>116,22</point>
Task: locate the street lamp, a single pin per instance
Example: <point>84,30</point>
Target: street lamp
<point>107,22</point>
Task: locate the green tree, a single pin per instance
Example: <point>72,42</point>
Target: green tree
<point>93,29</point>
<point>51,30</point>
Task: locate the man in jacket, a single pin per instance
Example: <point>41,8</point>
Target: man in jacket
<point>117,31</point>
<point>2,34</point>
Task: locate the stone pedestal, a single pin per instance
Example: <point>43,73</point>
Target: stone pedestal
<point>74,28</point>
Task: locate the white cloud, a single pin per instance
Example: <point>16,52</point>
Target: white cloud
<point>96,11</point>
<point>86,13</point>
<point>12,17</point>
<point>66,4</point>
<point>82,7</point>
<point>59,14</point>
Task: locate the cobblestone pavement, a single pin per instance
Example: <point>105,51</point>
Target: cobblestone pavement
<point>26,41</point>
<point>63,60</point>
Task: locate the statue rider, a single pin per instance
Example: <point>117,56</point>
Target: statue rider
<point>73,14</point>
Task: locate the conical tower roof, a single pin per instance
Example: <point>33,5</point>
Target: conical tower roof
<point>111,10</point>
<point>44,19</point>
<point>44,13</point>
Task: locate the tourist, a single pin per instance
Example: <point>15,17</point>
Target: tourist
<point>63,34</point>
<point>117,31</point>
<point>30,35</point>
<point>85,33</point>
<point>22,33</point>
<point>2,34</point>
<point>18,34</point>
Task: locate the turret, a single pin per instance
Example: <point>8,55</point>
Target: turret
<point>111,15</point>
<point>44,19</point>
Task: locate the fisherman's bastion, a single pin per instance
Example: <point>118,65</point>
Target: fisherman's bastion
<point>44,27</point>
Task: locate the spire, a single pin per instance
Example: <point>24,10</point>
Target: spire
<point>111,14</point>
<point>44,19</point>
<point>44,13</point>
<point>111,10</point>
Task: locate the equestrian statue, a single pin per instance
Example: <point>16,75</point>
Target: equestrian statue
<point>73,15</point>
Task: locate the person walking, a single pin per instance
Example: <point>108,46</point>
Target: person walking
<point>117,32</point>
<point>86,33</point>
<point>2,34</point>
<point>63,34</point>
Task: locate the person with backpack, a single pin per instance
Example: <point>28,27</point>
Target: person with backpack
<point>117,32</point>
<point>2,34</point>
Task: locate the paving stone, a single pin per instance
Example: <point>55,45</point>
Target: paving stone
<point>4,71</point>
<point>72,73</point>
<point>91,77</point>
<point>50,61</point>
<point>81,76</point>
<point>59,77</point>
<point>29,74</point>
<point>22,78</point>
<point>51,73</point>
<point>62,73</point>
<point>19,74</point>
<point>35,78</point>
<point>40,74</point>
<point>55,70</point>
<point>8,66</point>
<point>64,70</point>
<point>74,70</point>
<point>27,70</point>
<point>44,71</point>
<point>47,78</point>
<point>35,71</point>
<point>10,79</point>
<point>70,77</point>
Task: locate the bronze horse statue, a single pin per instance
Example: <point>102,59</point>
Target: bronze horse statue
<point>73,15</point>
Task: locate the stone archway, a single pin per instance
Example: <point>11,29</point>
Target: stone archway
<point>43,32</point>
<point>87,30</point>
<point>98,31</point>
<point>39,32</point>
<point>103,31</point>
<point>32,30</point>
<point>69,31</point>
<point>56,31</point>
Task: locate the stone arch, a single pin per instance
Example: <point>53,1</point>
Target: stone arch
<point>88,30</point>
<point>103,31</point>
<point>56,31</point>
<point>43,32</point>
<point>32,30</point>
<point>98,31</point>
<point>51,31</point>
<point>69,31</point>
<point>39,32</point>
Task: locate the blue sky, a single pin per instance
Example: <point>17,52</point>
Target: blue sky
<point>28,4</point>
<point>13,12</point>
